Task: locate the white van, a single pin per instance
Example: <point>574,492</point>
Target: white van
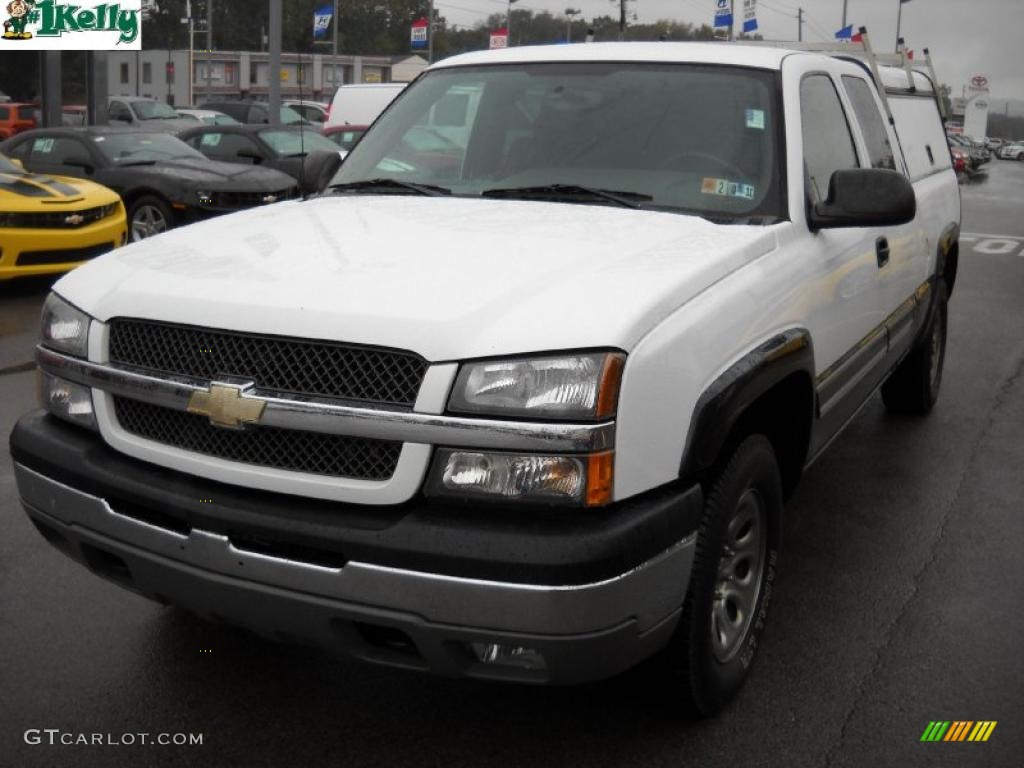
<point>361,103</point>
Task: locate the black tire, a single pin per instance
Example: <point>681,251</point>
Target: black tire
<point>914,386</point>
<point>698,664</point>
<point>144,215</point>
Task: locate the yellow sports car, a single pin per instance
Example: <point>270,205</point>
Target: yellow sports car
<point>50,224</point>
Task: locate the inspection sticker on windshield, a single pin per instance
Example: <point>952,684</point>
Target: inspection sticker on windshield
<point>44,146</point>
<point>755,119</point>
<point>726,188</point>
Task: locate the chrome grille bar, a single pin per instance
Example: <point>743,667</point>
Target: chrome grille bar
<point>318,415</point>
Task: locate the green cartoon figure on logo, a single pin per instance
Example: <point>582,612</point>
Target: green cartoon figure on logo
<point>20,14</point>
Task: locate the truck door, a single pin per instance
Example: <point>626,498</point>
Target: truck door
<point>844,307</point>
<point>907,265</point>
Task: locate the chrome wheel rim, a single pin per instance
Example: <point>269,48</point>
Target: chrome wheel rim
<point>147,221</point>
<point>740,570</point>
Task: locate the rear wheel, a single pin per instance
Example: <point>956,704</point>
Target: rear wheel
<point>148,216</point>
<point>914,386</point>
<point>720,630</point>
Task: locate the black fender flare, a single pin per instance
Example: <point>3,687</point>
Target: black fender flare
<point>723,403</point>
<point>948,258</point>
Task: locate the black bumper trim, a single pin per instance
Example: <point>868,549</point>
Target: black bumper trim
<point>545,545</point>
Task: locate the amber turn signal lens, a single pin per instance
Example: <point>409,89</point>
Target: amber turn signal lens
<point>600,476</point>
<point>608,392</point>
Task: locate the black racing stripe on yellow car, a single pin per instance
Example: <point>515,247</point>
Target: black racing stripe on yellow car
<point>18,186</point>
<point>36,185</point>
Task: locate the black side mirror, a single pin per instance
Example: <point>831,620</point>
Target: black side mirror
<point>248,154</point>
<point>318,168</point>
<point>865,197</point>
<point>80,162</point>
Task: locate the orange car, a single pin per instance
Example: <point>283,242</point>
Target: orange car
<point>16,117</point>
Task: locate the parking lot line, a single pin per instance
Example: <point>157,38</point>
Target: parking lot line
<point>979,235</point>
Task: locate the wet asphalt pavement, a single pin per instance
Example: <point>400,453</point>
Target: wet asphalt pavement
<point>899,602</point>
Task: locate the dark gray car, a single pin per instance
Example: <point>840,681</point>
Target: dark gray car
<point>164,183</point>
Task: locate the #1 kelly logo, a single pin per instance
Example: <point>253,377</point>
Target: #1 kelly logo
<point>85,25</point>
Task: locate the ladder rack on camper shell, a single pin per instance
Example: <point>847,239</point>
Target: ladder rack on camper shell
<point>863,53</point>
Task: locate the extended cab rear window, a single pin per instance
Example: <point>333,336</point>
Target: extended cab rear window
<point>692,138</point>
<point>871,124</point>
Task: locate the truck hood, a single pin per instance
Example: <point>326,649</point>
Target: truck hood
<point>447,278</point>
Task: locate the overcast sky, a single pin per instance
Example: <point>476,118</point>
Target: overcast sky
<point>966,37</point>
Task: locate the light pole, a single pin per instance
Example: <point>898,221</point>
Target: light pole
<point>334,46</point>
<point>508,22</point>
<point>430,33</point>
<point>209,49</point>
<point>569,13</point>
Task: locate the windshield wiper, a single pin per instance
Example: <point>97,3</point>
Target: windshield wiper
<point>136,162</point>
<point>571,192</point>
<point>430,190</point>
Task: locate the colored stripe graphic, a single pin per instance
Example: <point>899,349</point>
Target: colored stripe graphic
<point>958,730</point>
<point>982,730</point>
<point>935,731</point>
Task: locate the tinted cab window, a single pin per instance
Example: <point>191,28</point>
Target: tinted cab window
<point>871,124</point>
<point>828,144</point>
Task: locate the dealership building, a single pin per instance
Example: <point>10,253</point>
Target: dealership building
<point>163,74</point>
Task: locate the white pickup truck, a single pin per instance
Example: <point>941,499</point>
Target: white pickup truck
<point>520,399</point>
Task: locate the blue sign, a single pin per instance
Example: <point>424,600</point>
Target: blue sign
<point>322,22</point>
<point>723,15</point>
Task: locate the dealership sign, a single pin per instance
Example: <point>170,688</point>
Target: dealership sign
<point>34,25</point>
<point>723,14</point>
<point>418,34</point>
<point>499,38</point>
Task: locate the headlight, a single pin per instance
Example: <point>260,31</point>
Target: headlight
<point>583,479</point>
<point>577,386</point>
<point>65,328</point>
<point>67,400</point>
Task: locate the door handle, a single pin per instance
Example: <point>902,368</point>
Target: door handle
<point>882,251</point>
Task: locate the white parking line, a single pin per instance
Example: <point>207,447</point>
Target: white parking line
<point>979,235</point>
<point>994,245</point>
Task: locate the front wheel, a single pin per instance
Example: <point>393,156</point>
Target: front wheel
<point>148,216</point>
<point>723,619</point>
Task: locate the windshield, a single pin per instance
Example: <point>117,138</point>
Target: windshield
<point>6,166</point>
<point>290,117</point>
<point>297,142</point>
<point>153,110</point>
<point>692,138</point>
<point>128,148</point>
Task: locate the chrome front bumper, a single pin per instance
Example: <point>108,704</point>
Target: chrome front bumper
<point>587,631</point>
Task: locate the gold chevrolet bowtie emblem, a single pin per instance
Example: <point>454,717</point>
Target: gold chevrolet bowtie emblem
<point>224,406</point>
